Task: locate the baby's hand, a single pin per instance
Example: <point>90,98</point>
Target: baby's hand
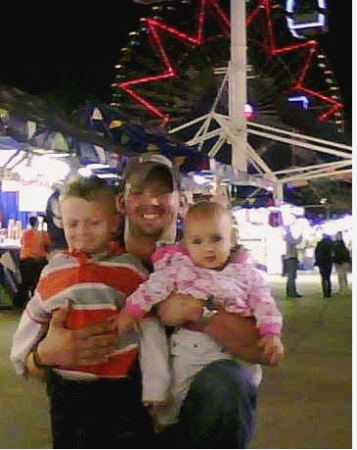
<point>154,409</point>
<point>273,348</point>
<point>123,322</point>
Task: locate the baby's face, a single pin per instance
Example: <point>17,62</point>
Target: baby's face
<point>208,240</point>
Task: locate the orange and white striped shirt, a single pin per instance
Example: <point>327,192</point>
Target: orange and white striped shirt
<point>98,289</point>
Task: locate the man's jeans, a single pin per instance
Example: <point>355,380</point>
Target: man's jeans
<point>219,410</point>
<point>291,265</point>
<point>325,272</point>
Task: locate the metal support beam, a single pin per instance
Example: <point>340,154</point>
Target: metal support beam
<point>238,82</point>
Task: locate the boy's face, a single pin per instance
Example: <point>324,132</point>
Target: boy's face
<point>88,225</point>
<point>208,240</point>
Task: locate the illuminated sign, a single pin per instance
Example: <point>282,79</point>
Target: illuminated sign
<point>301,24</point>
<point>301,99</point>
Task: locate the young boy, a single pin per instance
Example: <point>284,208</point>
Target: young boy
<point>204,268</point>
<point>97,280</point>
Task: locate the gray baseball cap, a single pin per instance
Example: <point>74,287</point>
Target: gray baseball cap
<point>141,167</point>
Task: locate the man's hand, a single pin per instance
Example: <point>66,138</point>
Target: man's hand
<point>273,348</point>
<point>238,334</point>
<point>179,308</point>
<point>64,347</point>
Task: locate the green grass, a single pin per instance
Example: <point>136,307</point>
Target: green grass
<point>304,403</point>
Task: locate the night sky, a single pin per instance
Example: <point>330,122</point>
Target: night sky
<point>68,57</point>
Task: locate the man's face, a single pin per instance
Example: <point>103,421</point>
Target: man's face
<point>152,209</point>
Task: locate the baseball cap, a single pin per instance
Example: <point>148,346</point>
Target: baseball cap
<point>140,167</point>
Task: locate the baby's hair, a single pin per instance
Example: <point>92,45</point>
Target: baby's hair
<point>207,209</point>
<point>90,189</point>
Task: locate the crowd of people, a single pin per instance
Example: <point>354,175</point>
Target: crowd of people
<point>328,252</point>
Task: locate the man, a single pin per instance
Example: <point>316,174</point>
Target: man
<point>219,411</point>
<point>33,258</point>
<point>323,259</point>
<point>291,264</point>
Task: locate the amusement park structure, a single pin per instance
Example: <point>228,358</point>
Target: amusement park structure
<point>234,129</point>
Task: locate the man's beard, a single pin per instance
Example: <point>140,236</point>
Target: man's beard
<point>166,232</point>
<point>153,234</point>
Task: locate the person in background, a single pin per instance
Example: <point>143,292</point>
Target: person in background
<point>54,222</point>
<point>203,266</point>
<point>342,260</point>
<point>33,258</point>
<point>150,203</point>
<point>291,264</point>
<point>323,259</point>
<point>97,279</point>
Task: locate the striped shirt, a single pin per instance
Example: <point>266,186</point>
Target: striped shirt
<point>98,288</point>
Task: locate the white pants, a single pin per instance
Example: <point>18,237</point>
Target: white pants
<point>191,351</point>
<point>342,270</point>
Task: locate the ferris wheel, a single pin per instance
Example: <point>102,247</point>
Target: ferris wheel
<point>174,70</point>
<point>171,69</point>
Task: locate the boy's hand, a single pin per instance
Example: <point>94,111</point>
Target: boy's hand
<point>273,348</point>
<point>123,322</point>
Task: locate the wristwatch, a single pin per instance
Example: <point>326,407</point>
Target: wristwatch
<point>206,316</point>
<point>210,303</point>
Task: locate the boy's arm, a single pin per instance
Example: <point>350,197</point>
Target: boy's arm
<point>28,333</point>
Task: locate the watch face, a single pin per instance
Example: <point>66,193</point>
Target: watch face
<point>207,313</point>
<point>210,303</point>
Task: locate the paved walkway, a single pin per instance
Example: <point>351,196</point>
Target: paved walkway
<point>306,403</point>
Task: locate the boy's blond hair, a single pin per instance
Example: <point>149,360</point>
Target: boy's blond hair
<point>92,189</point>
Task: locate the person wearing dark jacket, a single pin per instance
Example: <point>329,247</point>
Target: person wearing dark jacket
<point>323,259</point>
<point>342,261</point>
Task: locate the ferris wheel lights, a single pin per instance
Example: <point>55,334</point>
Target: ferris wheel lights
<point>157,29</point>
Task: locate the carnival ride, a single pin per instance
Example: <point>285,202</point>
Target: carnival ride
<point>180,70</point>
